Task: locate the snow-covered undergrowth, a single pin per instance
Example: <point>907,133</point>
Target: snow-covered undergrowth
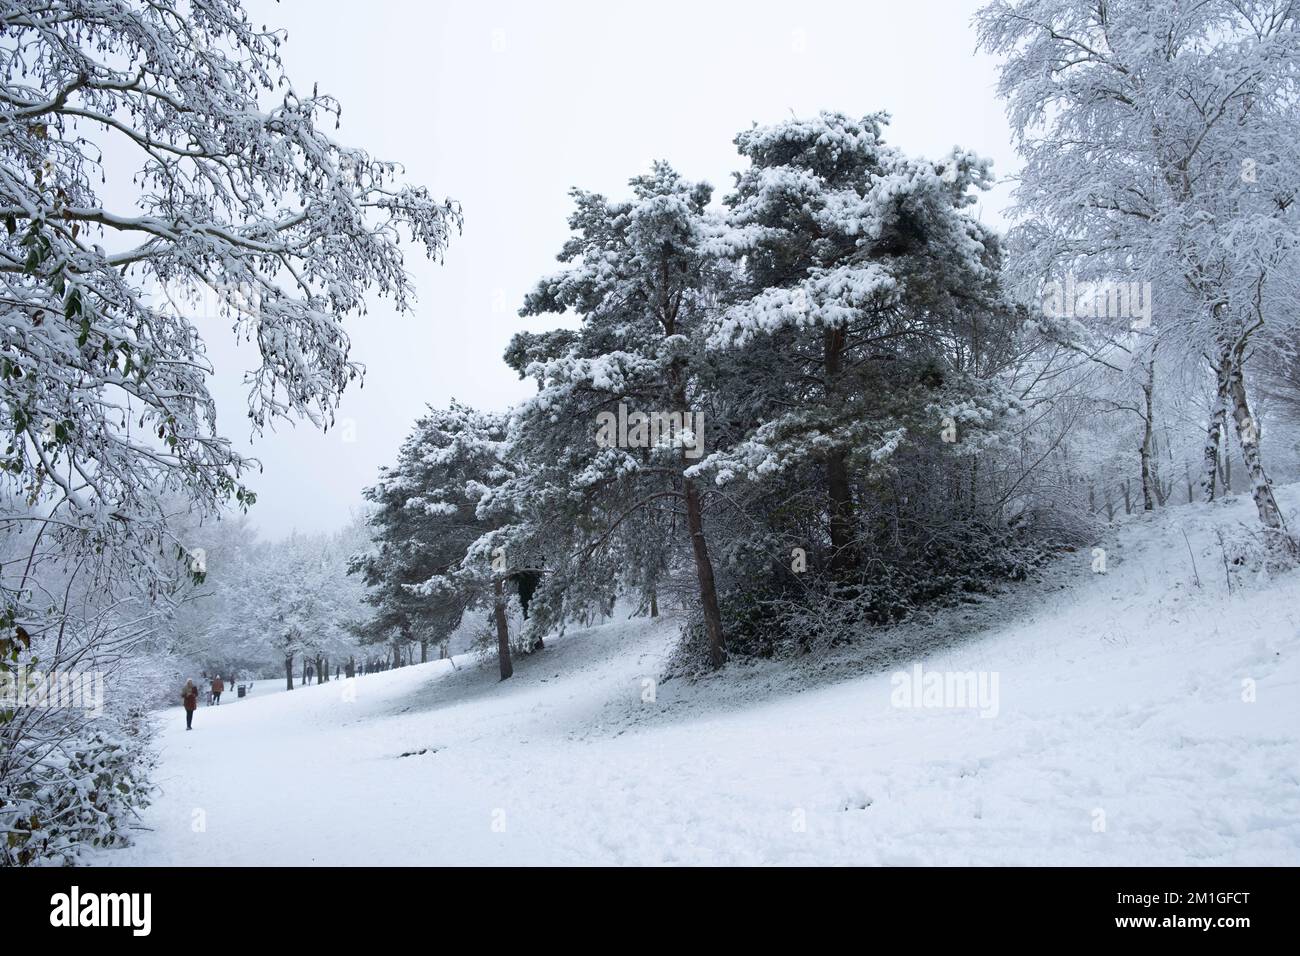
<point>1141,718</point>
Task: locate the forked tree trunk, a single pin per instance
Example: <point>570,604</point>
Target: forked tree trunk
<point>503,628</point>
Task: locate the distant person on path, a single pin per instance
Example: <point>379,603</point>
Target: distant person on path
<point>311,672</point>
<point>218,685</point>
<point>190,698</point>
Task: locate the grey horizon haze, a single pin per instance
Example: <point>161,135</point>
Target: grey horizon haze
<point>504,107</point>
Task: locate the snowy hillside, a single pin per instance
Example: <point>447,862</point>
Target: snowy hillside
<point>1118,735</point>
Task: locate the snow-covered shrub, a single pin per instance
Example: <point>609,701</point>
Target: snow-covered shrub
<point>83,792</point>
<point>1253,554</point>
<point>774,615</point>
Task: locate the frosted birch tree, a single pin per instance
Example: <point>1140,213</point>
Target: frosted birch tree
<point>640,275</point>
<point>157,168</point>
<point>1159,143</point>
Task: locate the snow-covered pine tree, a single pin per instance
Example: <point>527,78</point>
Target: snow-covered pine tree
<point>436,553</point>
<point>618,416</point>
<point>862,287</point>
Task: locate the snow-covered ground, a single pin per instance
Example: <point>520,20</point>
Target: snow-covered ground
<point>1121,736</point>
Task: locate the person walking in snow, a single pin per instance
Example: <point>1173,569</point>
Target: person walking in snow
<point>190,698</point>
<point>311,672</point>
<point>218,685</point>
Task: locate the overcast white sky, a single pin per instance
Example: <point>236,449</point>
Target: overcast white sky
<point>506,105</point>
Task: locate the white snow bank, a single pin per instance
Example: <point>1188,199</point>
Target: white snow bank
<point>1121,737</point>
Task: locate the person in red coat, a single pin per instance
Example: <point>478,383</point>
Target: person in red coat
<point>190,698</point>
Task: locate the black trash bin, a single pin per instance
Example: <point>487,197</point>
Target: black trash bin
<point>240,690</point>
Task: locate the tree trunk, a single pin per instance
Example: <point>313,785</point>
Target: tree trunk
<point>838,487</point>
<point>424,651</point>
<point>1248,437</point>
<point>1214,431</point>
<point>654,603</point>
<point>1148,502</point>
<point>700,548</point>
<point>704,572</point>
<point>841,499</point>
<point>503,628</point>
<point>288,672</point>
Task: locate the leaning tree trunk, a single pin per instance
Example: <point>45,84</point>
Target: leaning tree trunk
<point>288,672</point>
<point>1248,437</point>
<point>503,628</point>
<point>700,548</point>
<point>704,573</point>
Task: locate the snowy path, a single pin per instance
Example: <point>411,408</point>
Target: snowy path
<point>1121,697</point>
